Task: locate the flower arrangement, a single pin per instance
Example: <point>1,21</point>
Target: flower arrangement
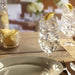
<point>60,3</point>
<point>35,7</point>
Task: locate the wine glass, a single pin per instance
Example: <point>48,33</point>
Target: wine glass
<point>48,34</point>
<point>68,25</point>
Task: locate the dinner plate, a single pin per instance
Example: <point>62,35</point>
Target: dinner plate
<point>24,65</point>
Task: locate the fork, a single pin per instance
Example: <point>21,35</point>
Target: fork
<point>65,68</point>
<point>72,66</point>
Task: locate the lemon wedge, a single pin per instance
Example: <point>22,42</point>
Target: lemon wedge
<point>10,35</point>
<point>7,40</point>
<point>3,12</point>
<point>4,18</point>
<point>7,32</point>
<point>15,36</point>
<point>49,15</point>
<point>69,6</point>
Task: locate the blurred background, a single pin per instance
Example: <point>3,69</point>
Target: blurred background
<point>21,19</point>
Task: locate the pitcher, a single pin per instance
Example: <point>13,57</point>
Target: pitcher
<point>4,22</point>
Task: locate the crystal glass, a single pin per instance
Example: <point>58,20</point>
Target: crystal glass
<point>68,25</point>
<point>10,41</point>
<point>4,22</point>
<point>48,34</point>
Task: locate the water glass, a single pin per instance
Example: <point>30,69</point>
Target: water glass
<point>4,21</point>
<point>48,34</point>
<point>10,41</point>
<point>68,25</point>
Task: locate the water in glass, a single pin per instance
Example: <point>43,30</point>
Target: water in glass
<point>48,34</point>
<point>4,22</point>
<point>68,24</point>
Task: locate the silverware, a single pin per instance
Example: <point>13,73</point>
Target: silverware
<point>65,70</point>
<point>72,66</point>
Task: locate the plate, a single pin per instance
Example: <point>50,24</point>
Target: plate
<point>25,65</point>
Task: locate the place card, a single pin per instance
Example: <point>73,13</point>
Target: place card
<point>69,49</point>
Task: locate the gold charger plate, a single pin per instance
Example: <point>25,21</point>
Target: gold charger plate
<point>25,65</point>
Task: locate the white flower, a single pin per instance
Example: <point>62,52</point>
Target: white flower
<point>62,2</point>
<point>39,6</point>
<point>31,8</point>
<point>35,6</point>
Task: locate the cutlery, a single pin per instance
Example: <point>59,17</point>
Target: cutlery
<point>72,66</point>
<point>65,70</point>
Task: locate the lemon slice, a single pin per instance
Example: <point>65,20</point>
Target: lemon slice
<point>7,32</point>
<point>7,39</point>
<point>10,35</point>
<point>15,36</point>
<point>49,15</point>
<point>3,12</point>
<point>69,6</point>
<point>4,18</point>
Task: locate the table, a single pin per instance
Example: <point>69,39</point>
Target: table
<point>29,46</point>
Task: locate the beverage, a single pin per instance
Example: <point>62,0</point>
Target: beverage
<point>68,23</point>
<point>48,33</point>
<point>10,38</point>
<point>4,22</point>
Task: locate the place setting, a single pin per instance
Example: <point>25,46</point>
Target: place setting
<point>49,51</point>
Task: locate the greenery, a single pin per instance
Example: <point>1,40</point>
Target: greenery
<point>39,1</point>
<point>57,1</point>
<point>61,5</point>
<point>37,13</point>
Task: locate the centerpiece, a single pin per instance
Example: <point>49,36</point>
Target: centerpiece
<point>61,3</point>
<point>35,7</point>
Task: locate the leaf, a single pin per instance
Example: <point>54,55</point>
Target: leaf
<point>42,11</point>
<point>57,1</point>
<point>39,1</point>
<point>61,5</point>
<point>37,13</point>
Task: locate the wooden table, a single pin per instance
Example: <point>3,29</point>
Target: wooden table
<point>29,46</point>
